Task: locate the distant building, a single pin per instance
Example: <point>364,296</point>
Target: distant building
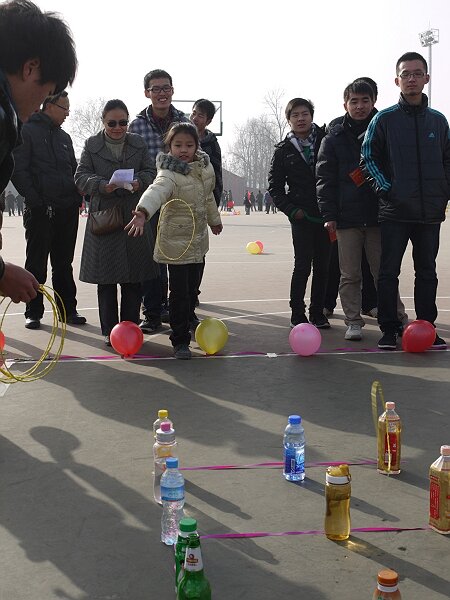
<point>236,184</point>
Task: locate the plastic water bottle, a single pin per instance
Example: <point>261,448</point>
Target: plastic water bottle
<point>164,446</point>
<point>294,450</point>
<point>172,496</point>
<point>163,417</point>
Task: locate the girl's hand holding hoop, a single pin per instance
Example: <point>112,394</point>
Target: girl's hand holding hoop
<point>136,225</point>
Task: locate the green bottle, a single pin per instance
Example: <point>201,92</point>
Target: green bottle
<point>194,585</point>
<point>186,526</point>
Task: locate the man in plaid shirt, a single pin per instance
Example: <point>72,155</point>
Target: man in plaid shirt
<point>152,123</point>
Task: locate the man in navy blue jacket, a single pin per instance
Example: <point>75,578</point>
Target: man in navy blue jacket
<point>406,156</point>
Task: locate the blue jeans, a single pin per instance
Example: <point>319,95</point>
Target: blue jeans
<point>425,242</point>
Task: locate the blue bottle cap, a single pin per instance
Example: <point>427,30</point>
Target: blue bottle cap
<point>295,419</point>
<point>172,462</point>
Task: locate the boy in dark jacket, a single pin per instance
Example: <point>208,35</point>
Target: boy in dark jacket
<point>37,57</point>
<point>348,204</point>
<point>406,156</point>
<point>293,165</point>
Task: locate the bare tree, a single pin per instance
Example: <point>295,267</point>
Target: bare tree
<point>251,153</point>
<point>85,120</point>
<point>274,102</point>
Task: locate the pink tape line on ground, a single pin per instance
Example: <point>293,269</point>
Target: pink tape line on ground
<point>277,464</point>
<point>256,534</point>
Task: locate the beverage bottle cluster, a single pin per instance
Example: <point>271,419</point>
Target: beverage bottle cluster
<point>389,441</point>
<point>294,449</point>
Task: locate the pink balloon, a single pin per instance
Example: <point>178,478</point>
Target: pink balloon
<point>305,339</point>
<point>260,244</point>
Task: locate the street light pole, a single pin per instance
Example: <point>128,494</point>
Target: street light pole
<point>427,39</point>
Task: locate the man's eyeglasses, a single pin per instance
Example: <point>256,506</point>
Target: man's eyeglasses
<point>156,89</point>
<point>121,123</point>
<point>61,107</point>
<point>414,75</point>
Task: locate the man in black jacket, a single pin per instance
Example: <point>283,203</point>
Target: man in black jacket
<point>37,56</point>
<point>348,204</point>
<point>45,166</point>
<point>406,156</point>
<point>293,165</point>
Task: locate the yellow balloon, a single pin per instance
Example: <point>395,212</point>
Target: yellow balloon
<point>211,335</point>
<point>253,248</point>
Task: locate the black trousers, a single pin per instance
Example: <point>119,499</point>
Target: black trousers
<point>153,290</point>
<point>425,245</point>
<point>53,237</point>
<point>183,285</point>
<point>311,248</point>
<point>108,306</point>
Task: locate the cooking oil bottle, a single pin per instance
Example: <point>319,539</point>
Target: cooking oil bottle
<point>337,496</point>
<point>389,441</point>
<point>440,492</point>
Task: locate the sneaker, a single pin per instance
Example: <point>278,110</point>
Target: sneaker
<point>182,352</point>
<point>373,312</point>
<point>321,322</point>
<point>194,323</point>
<point>388,341</point>
<point>107,340</point>
<point>76,319</point>
<point>150,325</point>
<point>439,344</point>
<point>32,323</point>
<point>297,321</point>
<point>353,333</point>
<point>328,312</point>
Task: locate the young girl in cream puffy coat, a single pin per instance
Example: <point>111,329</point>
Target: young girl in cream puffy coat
<point>183,190</point>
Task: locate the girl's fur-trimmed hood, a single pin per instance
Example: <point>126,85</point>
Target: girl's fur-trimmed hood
<point>171,163</point>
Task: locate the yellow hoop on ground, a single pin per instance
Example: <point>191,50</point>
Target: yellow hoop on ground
<point>59,322</point>
<point>158,229</point>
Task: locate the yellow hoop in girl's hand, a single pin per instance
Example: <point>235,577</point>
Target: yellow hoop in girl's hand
<point>172,258</point>
<point>59,323</point>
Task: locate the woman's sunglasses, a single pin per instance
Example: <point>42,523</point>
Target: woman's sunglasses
<point>121,123</point>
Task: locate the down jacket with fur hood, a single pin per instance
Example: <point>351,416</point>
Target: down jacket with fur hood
<point>183,224</point>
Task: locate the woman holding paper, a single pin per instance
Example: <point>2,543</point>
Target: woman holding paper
<point>115,168</point>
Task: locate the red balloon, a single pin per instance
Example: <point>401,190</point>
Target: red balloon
<point>126,338</point>
<point>260,244</point>
<point>418,336</point>
<point>2,340</point>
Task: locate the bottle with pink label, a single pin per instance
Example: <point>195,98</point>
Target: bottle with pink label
<point>440,492</point>
<point>389,441</point>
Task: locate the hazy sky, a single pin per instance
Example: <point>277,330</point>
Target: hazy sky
<point>237,50</point>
